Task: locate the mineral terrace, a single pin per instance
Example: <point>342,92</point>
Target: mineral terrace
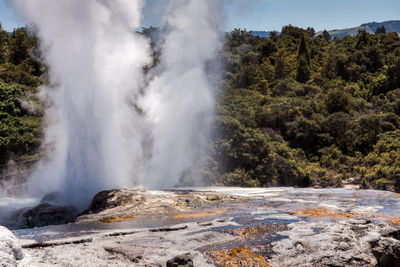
<point>213,227</point>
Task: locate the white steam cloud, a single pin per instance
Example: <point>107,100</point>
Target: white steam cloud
<point>180,99</point>
<point>97,136</point>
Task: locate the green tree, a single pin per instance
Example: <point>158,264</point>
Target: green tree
<point>266,48</point>
<point>20,46</point>
<point>279,69</point>
<point>3,45</point>
<point>336,100</point>
<point>381,30</point>
<point>362,39</point>
<point>303,71</point>
<point>326,35</point>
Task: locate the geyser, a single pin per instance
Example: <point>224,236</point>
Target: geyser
<point>96,138</point>
<point>95,67</point>
<point>180,98</point>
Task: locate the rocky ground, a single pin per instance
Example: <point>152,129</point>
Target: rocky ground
<point>220,227</point>
<point>10,249</point>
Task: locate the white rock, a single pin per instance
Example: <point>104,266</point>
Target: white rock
<point>10,249</point>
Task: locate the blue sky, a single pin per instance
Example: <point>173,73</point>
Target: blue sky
<point>273,14</point>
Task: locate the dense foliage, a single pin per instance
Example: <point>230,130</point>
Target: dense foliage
<point>293,109</point>
<point>20,113</point>
<point>299,109</point>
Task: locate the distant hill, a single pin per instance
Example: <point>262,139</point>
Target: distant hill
<point>261,33</point>
<point>390,26</point>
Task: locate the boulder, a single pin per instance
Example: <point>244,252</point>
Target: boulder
<point>50,211</point>
<point>115,198</point>
<point>46,214</point>
<point>387,252</point>
<point>181,261</point>
<point>10,249</point>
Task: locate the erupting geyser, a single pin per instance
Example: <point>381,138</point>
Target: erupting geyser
<point>95,66</point>
<point>180,99</point>
<point>103,109</point>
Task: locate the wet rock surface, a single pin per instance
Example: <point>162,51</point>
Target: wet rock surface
<point>46,214</point>
<point>50,211</point>
<point>225,227</point>
<point>10,250</point>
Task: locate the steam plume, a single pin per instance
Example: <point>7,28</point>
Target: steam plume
<point>96,65</point>
<point>180,100</point>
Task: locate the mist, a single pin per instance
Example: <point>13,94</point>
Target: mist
<point>108,123</point>
<point>180,99</point>
<point>95,68</point>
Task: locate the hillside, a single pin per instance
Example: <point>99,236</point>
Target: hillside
<point>300,110</point>
<point>263,34</point>
<point>371,27</point>
<point>20,112</point>
<point>390,26</point>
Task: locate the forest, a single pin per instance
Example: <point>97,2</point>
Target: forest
<point>298,109</point>
<point>21,115</point>
<point>294,109</point>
